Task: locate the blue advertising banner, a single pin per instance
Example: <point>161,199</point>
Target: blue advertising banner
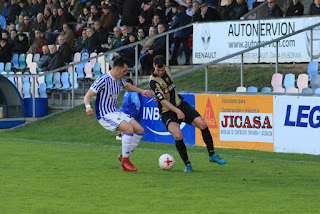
<point>155,130</point>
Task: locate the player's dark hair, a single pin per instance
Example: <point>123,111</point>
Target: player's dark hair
<point>129,80</point>
<point>119,62</point>
<point>159,61</point>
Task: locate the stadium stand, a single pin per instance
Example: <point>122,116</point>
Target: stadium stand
<point>49,81</point>
<point>315,82</point>
<point>22,60</point>
<point>302,81</point>
<point>2,67</point>
<point>289,81</point>
<point>15,60</point>
<point>276,83</point>
<point>26,90</point>
<point>313,67</point>
<point>43,90</point>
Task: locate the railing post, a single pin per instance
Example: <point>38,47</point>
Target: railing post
<point>241,71</point>
<point>72,92</point>
<point>136,63</point>
<point>167,50</point>
<point>206,78</point>
<point>104,63</point>
<point>34,98</point>
<point>259,41</point>
<point>277,57</point>
<point>311,44</point>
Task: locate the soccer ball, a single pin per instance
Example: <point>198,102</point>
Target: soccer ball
<point>166,161</point>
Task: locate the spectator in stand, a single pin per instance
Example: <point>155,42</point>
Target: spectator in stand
<point>181,36</point>
<point>43,62</point>
<point>196,13</point>
<point>225,7</point>
<point>189,10</point>
<point>68,35</point>
<point>115,40</point>
<point>102,35</point>
<point>130,14</point>
<point>36,46</point>
<point>56,60</point>
<point>55,3</point>
<point>75,7</point>
<point>145,67</point>
<point>49,4</point>
<point>94,14</point>
<point>239,9</point>
<point>208,13</point>
<point>274,10</point>
<point>39,24</point>
<point>128,54</point>
<point>168,10</point>
<point>80,44</point>
<point>64,49</point>
<point>3,22</point>
<point>295,9</point>
<point>40,6</point>
<point>140,34</point>
<point>24,8</point>
<point>92,44</point>
<point>108,19</point>
<point>5,35</point>
<point>124,40</point>
<point>62,18</point>
<point>21,45</point>
<point>48,18</point>
<point>315,7</point>
<point>33,9</point>
<point>156,20</point>
<point>83,18</point>
<point>20,23</point>
<point>13,38</point>
<point>158,47</point>
<point>26,27</point>
<point>143,24</point>
<point>13,11</point>
<point>6,8</point>
<point>5,51</point>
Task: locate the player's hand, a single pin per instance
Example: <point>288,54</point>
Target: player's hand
<point>180,115</point>
<point>146,93</point>
<point>89,111</point>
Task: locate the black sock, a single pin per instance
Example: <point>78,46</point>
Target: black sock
<point>181,147</point>
<point>206,136</point>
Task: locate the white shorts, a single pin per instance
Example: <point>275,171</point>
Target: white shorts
<point>112,121</point>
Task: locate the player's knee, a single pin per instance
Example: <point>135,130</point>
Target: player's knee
<point>177,136</point>
<point>130,130</point>
<point>203,125</point>
<point>140,130</point>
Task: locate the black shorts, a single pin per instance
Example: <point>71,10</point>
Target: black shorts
<point>189,112</point>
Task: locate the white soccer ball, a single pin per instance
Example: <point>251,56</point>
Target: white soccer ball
<point>166,161</point>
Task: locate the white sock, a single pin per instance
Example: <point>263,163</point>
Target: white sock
<point>126,144</point>
<point>135,142</point>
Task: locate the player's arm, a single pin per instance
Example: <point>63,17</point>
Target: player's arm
<point>135,99</point>
<point>145,93</point>
<point>87,99</point>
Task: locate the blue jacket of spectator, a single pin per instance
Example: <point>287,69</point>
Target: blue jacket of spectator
<point>3,22</point>
<point>131,104</point>
<point>5,10</point>
<point>181,19</point>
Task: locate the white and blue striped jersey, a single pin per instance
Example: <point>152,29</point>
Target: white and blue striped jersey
<point>107,89</point>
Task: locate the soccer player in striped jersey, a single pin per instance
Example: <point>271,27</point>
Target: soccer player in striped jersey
<point>107,89</point>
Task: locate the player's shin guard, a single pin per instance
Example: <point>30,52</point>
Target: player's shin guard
<point>126,144</point>
<point>135,142</point>
<point>206,136</point>
<point>181,147</point>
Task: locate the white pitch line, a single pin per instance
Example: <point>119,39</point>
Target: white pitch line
<point>156,150</point>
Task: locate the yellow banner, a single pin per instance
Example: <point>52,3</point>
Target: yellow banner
<point>237,121</point>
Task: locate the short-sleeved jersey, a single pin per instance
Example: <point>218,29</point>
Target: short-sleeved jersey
<point>107,89</point>
<point>164,88</point>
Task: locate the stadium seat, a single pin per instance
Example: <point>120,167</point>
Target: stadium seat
<point>97,69</point>
<point>36,87</point>
<point>289,81</point>
<point>26,79</point>
<point>292,90</point>
<point>315,81</point>
<point>80,67</point>
<point>302,81</point>
<point>104,67</point>
<point>266,90</point>
<point>12,79</point>
<point>49,81</point>
<point>241,89</point>
<point>33,68</point>
<point>57,80</point>
<point>76,84</point>
<point>29,59</point>
<point>250,4</point>
<point>15,60</point>
<point>19,83</point>
<point>317,91</point>
<point>22,60</point>
<point>312,68</point>
<point>77,57</point>
<point>252,89</point>
<point>88,70</point>
<point>36,57</point>
<point>8,67</point>
<point>26,90</point>
<point>2,67</point>
<point>306,91</point>
<point>43,90</point>
<point>41,79</point>
<point>118,23</point>
<point>65,81</point>
<point>276,82</point>
<point>109,56</point>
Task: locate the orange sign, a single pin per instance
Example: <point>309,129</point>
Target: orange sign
<point>237,121</point>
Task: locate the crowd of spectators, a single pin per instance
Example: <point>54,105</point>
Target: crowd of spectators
<point>29,26</point>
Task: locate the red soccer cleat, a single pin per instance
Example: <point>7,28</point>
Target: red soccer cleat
<point>128,165</point>
<point>120,158</point>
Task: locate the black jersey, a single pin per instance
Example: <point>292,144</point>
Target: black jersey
<point>164,88</point>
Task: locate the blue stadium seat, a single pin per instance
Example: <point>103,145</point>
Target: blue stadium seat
<point>306,91</point>
<point>49,81</point>
<point>315,81</point>
<point>76,84</point>
<point>15,60</point>
<point>97,69</point>
<point>80,67</point>
<point>57,80</point>
<point>43,90</point>
<point>1,67</point>
<point>252,89</point>
<point>317,91</point>
<point>65,81</point>
<point>289,81</point>
<point>8,67</point>
<point>36,57</point>
<point>26,79</point>
<point>266,90</point>
<point>312,68</point>
<point>12,79</point>
<point>26,90</point>
<point>22,60</point>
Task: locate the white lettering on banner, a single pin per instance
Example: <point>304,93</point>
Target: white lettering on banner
<point>150,113</point>
<point>232,36</point>
<point>252,127</point>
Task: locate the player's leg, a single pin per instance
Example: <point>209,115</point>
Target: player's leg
<point>174,129</point>
<point>207,138</point>
<point>137,135</point>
